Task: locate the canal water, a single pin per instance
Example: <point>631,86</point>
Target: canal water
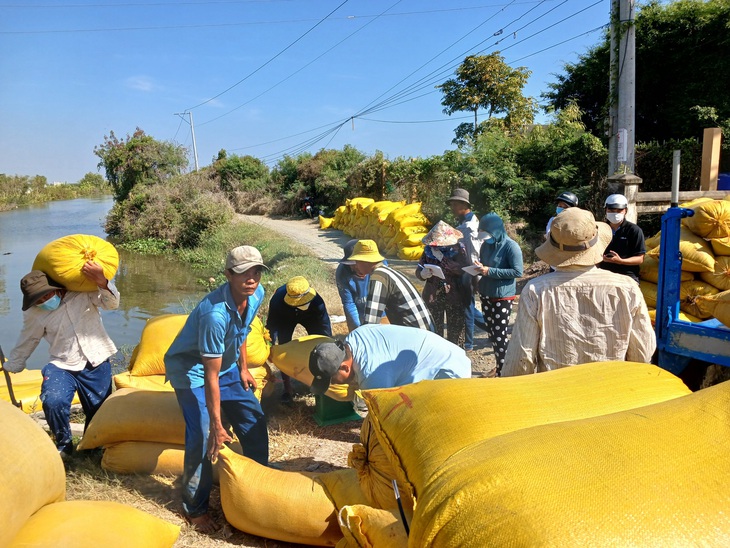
<point>149,285</point>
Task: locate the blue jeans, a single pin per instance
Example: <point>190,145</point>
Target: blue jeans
<point>241,408</point>
<point>94,384</point>
<point>473,317</point>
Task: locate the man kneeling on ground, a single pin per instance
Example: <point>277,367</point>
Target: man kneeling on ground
<point>384,356</point>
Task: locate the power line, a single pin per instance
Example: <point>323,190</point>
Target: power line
<point>271,59</point>
<point>416,121</point>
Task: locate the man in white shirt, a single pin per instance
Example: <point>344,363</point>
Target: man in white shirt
<point>80,348</point>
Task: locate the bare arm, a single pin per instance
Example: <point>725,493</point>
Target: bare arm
<point>218,435</point>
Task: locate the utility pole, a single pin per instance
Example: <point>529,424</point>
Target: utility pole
<point>192,132</point>
<point>622,88</point>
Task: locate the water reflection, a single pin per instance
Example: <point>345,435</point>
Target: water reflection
<point>148,285</point>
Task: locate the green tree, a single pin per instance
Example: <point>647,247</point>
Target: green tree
<point>240,173</point>
<point>486,82</point>
<point>93,181</point>
<point>139,159</point>
<point>682,62</point>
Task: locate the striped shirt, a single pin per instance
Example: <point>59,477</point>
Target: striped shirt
<point>579,315</point>
<point>391,292</point>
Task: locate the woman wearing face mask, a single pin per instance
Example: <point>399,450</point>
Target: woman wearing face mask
<point>501,264</point>
<point>445,296</point>
<point>626,251</point>
<point>296,303</point>
<point>79,346</point>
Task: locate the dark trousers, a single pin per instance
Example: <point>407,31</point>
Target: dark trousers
<point>94,384</point>
<point>239,407</point>
<point>473,318</point>
<point>496,316</point>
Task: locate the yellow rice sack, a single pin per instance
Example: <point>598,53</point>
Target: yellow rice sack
<point>257,344</point>
<point>148,382</point>
<point>410,220</point>
<point>62,260</point>
<point>649,271</point>
<point>406,211</point>
<point>721,246</point>
<point>655,476</point>
<point>158,334</point>
<point>285,506</point>
<point>292,358</point>
<point>696,253</point>
<point>711,219</point>
<point>654,241</point>
<point>26,389</point>
<point>361,203</point>
<point>418,440</point>
<point>648,290</point>
<point>368,527</point>
<point>136,415</point>
<point>717,305</point>
<point>325,222</point>
<point>342,487</point>
<point>682,316</point>
<point>409,240</point>
<point>411,253</point>
<point>31,471</point>
<point>720,278</point>
<point>91,524</point>
<point>688,293</point>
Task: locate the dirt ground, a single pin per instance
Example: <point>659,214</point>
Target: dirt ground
<point>296,441</point>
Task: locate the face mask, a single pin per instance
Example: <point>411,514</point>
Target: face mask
<point>51,304</point>
<point>483,235</point>
<point>448,252</point>
<point>559,210</point>
<point>303,307</point>
<point>615,218</point>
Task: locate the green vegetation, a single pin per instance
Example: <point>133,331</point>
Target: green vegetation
<point>17,190</point>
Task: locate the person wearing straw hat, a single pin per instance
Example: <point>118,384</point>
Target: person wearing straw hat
<point>579,313</point>
<point>352,287</point>
<point>444,293</point>
<point>206,365</point>
<point>389,291</point>
<point>79,346</point>
<point>296,303</point>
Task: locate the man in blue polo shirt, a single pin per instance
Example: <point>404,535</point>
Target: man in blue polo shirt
<point>206,365</point>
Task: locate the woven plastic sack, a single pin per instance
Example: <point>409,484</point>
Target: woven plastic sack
<point>418,440</point>
<point>257,344</point>
<point>682,316</point>
<point>711,219</point>
<point>648,290</point>
<point>342,487</point>
<point>325,222</point>
<point>158,334</point>
<point>688,293</point>
<point>136,415</point>
<point>361,203</point>
<point>655,476</point>
<point>90,524</point>
<point>26,389</point>
<point>406,211</point>
<point>410,220</point>
<point>654,241</point>
<point>720,278</point>
<point>285,506</point>
<point>649,271</point>
<point>717,305</point>
<point>366,527</point>
<point>292,358</point>
<point>696,253</point>
<point>411,253</point>
<point>31,471</point>
<point>149,382</point>
<point>721,246</point>
<point>62,260</point>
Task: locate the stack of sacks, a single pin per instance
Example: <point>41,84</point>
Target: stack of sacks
<point>62,260</point>
<point>705,247</point>
<point>26,389</point>
<point>33,492</point>
<point>397,228</point>
<point>141,427</point>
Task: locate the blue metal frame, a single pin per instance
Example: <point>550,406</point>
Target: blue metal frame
<point>678,341</point>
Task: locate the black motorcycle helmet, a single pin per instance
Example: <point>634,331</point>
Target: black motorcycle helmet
<point>567,197</point>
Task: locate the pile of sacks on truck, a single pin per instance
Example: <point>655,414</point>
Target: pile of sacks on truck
<point>397,228</point>
<point>705,247</point>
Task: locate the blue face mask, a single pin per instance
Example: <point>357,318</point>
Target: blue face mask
<point>51,304</point>
<point>559,210</point>
<point>448,252</point>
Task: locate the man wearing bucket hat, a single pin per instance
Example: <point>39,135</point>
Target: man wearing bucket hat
<point>206,365</point>
<point>79,346</point>
<point>444,293</point>
<point>389,291</point>
<point>385,356</point>
<point>579,313</point>
<point>296,303</point>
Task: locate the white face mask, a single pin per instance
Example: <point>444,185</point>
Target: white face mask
<point>615,218</point>
<point>304,307</point>
<point>484,235</point>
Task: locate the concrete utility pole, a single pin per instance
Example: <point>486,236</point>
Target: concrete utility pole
<point>622,88</point>
<point>192,132</point>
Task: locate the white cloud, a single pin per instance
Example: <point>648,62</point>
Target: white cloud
<point>141,83</point>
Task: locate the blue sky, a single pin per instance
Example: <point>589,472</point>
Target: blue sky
<point>72,70</point>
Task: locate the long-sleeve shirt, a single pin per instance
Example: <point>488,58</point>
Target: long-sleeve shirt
<point>74,331</point>
<point>353,294</point>
<point>504,260</point>
<point>390,291</point>
<point>469,229</point>
<point>283,319</point>
<point>579,315</point>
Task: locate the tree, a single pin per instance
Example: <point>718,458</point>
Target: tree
<point>486,82</point>
<point>682,62</point>
<point>240,173</point>
<point>93,181</point>
<point>138,160</point>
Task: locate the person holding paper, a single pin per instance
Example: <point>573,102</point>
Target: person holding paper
<point>501,264</point>
<point>444,293</point>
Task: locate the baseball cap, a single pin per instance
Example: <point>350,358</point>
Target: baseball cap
<point>243,257</point>
<point>325,361</point>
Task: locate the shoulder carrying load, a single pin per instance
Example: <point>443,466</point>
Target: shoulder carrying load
<point>720,278</point>
<point>718,305</point>
<point>62,260</point>
<point>649,271</point>
<point>27,390</point>
<point>31,471</point>
<point>417,441</point>
<point>90,524</point>
<point>688,293</point>
<point>711,219</point>
<point>658,476</point>
<point>696,253</point>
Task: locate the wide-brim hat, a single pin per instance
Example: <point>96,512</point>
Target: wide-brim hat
<point>299,292</point>
<point>442,235</point>
<point>459,195</point>
<point>367,252</point>
<point>241,258</point>
<point>35,285</point>
<point>575,239</point>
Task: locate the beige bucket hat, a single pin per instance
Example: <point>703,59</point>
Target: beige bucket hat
<point>575,239</point>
